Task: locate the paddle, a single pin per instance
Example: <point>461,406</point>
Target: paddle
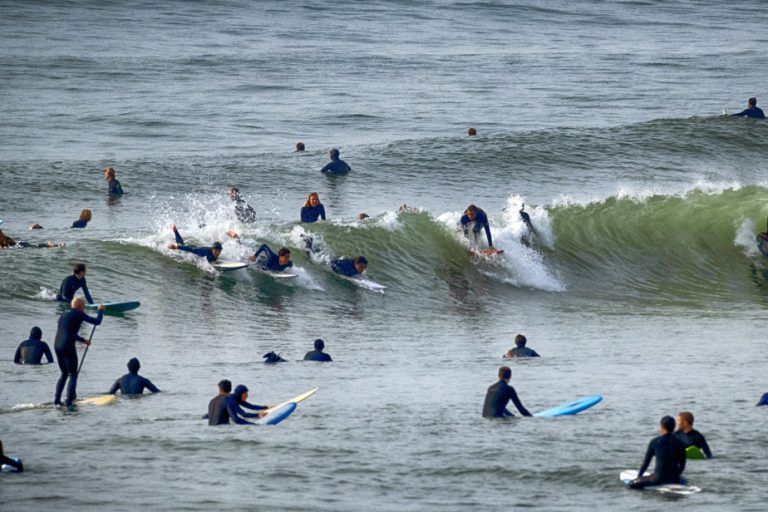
<point>86,350</point>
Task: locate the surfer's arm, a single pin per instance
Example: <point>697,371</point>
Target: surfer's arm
<point>91,320</point>
<point>327,168</point>
<point>647,460</point>
<point>177,235</point>
<point>322,212</point>
<point>198,251</point>
<point>87,293</point>
<point>253,407</point>
<point>115,386</point>
<point>235,413</point>
<point>515,400</point>
<point>47,352</point>
<point>265,249</point>
<point>148,384</point>
<point>17,356</point>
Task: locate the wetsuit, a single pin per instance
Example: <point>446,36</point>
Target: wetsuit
<point>16,464</point>
<point>317,355</point>
<point>480,222</point>
<point>205,252</point>
<point>336,166</point>
<point>523,352</point>
<point>271,261</point>
<point>66,355</point>
<point>217,411</point>
<point>344,267</point>
<point>763,400</point>
<point>694,438</point>
<point>132,384</point>
<point>114,187</point>
<point>244,211</point>
<point>236,414</point>
<point>496,400</point>
<point>312,213</point>
<point>81,223</point>
<point>69,286</point>
<point>32,351</point>
<point>753,112</point>
<point>670,462</point>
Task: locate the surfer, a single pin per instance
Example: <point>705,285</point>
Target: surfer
<point>114,186</point>
<point>244,211</point>
<point>271,261</point>
<point>670,458</point>
<point>132,383</point>
<point>479,220</point>
<point>527,221</point>
<point>85,218</point>
<point>472,132</point>
<point>690,436</point>
<point>752,110</point>
<point>312,209</point>
<point>64,345</point>
<point>31,351</point>
<point>217,407</point>
<point>299,147</point>
<point>349,267</point>
<point>73,283</point>
<point>336,165</point>
<point>210,253</point>
<point>318,354</point>
<point>499,395</point>
<point>239,400</point>
<point>6,241</point>
<point>520,349</point>
<point>7,460</point>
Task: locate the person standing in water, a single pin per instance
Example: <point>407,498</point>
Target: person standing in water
<point>312,209</point>
<point>690,436</point>
<point>498,396</point>
<point>32,350</point>
<point>73,283</point>
<point>114,186</point>
<point>752,110</point>
<point>132,383</point>
<point>520,349</point>
<point>85,218</point>
<point>336,166</point>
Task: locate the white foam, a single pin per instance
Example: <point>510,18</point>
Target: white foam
<point>745,238</point>
<point>45,294</point>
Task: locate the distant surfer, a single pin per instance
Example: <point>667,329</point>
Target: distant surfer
<point>132,383</point>
<point>299,147</point>
<point>6,242</point>
<point>763,400</point>
<point>31,351</point>
<point>271,261</point>
<point>114,187</point>
<point>349,267</point>
<point>318,354</point>
<point>520,349</point>
<point>85,218</point>
<point>211,253</point>
<point>73,283</point>
<point>312,209</point>
<point>336,165</point>
<point>66,355</point>
<point>690,436</point>
<point>528,237</point>
<point>244,211</point>
<point>670,458</point>
<point>472,132</point>
<point>752,110</point>
<point>498,396</point>
<point>11,462</point>
<point>475,220</point>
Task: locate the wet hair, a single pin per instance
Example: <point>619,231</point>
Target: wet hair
<point>216,245</point>
<point>687,416</point>
<point>319,345</point>
<point>80,267</point>
<point>299,146</point>
<point>521,340</point>
<point>667,423</point>
<point>505,373</point>
<point>471,208</point>
<point>284,251</point>
<point>471,132</point>
<point>752,102</point>
<point>225,386</point>
<point>234,190</point>
<point>239,390</point>
<point>86,215</point>
<point>307,205</point>
<point>6,241</point>
<point>362,216</point>
<point>334,153</point>
<point>35,333</point>
<point>109,171</point>
<point>134,365</point>
<point>361,260</point>
<point>35,226</point>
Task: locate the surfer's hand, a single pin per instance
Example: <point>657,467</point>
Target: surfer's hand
<point>173,227</point>
<point>101,307</point>
<point>87,342</point>
<point>251,258</point>
<point>232,234</point>
<point>173,246</point>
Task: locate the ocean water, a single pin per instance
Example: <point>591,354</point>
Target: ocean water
<point>643,283</point>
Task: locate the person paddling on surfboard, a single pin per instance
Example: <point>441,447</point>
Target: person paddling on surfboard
<point>32,350</point>
<point>520,349</point>
<point>270,261</point>
<point>211,253</point>
<point>475,219</point>
<point>498,396</point>
<point>66,355</point>
<point>239,400</point>
<point>670,458</point>
<point>690,436</point>
<point>73,283</point>
<point>349,267</point>
<point>132,383</point>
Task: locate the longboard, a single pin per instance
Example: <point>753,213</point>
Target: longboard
<point>228,266</point>
<point>94,400</point>
<point>277,414</point>
<point>365,283</point>
<point>571,407</point>
<point>683,488</point>
<point>116,307</point>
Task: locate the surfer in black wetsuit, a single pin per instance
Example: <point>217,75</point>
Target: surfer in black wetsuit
<point>479,221</point>
<point>528,237</point>
<point>243,210</point>
<point>132,383</point>
<point>499,395</point>
<point>271,261</point>
<point>763,400</point>
<point>349,267</point>
<point>690,436</point>
<point>239,400</point>
<point>752,110</point>
<point>7,460</point>
<point>211,253</point>
<point>318,354</point>
<point>66,355</point>
<point>520,349</point>
<point>32,350</point>
<point>336,165</point>
<point>73,283</point>
<point>217,407</point>
<point>670,458</point>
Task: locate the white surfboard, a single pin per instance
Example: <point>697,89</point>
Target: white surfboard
<point>228,266</point>
<point>94,400</point>
<point>628,475</point>
<point>365,283</point>
<point>295,400</point>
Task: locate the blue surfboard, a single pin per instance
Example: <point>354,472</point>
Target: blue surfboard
<point>571,407</point>
<point>277,414</point>
<point>116,307</point>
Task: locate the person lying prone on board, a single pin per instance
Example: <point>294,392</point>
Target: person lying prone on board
<point>349,267</point>
<point>271,261</point>
<point>132,383</point>
<point>211,253</point>
<point>670,458</point>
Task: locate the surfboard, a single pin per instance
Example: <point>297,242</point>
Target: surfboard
<point>7,468</point>
<point>695,453</point>
<point>294,400</point>
<point>277,414</point>
<point>116,307</point>
<point>365,283</point>
<point>1,221</point>
<point>228,266</point>
<point>97,400</point>
<point>682,488</point>
<point>487,252</point>
<point>571,407</point>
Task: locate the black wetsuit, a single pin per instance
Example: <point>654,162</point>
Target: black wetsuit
<point>32,352</point>
<point>217,411</point>
<point>312,213</point>
<point>7,460</point>
<point>132,384</point>
<point>670,462</point>
<point>694,438</point>
<point>270,261</point>
<point>753,112</point>
<point>205,252</point>
<point>317,355</point>
<point>244,211</point>
<point>236,414</point>
<point>114,187</point>
<point>69,286</point>
<point>66,355</point>
<point>496,400</point>
<point>523,352</point>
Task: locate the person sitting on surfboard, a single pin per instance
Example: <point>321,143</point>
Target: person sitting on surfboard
<point>479,221</point>
<point>85,218</point>
<point>752,110</point>
<point>238,400</point>
<point>243,210</point>
<point>349,267</point>
<point>115,189</point>
<point>520,349</point>
<point>318,354</point>
<point>73,283</point>
<point>210,253</point>
<point>688,435</point>
<point>271,261</point>
<point>670,458</point>
<point>11,462</point>
<point>32,350</point>
<point>6,241</point>
<point>312,209</point>
<point>132,383</point>
<point>336,165</point>
<point>499,395</point>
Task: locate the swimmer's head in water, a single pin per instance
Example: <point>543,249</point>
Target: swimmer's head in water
<point>239,390</point>
<point>362,216</point>
<point>134,365</point>
<point>471,132</point>
<point>319,344</point>
<point>284,256</point>
<point>35,226</point>
<point>299,146</point>
<point>667,423</point>
<point>79,270</point>
<point>6,241</point>
<point>752,102</point>
<point>471,212</point>
<point>234,193</point>
<point>361,263</point>
<point>225,386</point>
<point>86,215</point>
<point>35,333</point>
<point>520,340</point>
<point>78,303</point>
<point>505,373</point>
<point>334,153</point>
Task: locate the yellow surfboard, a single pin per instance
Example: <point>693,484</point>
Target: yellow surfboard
<point>98,400</point>
<point>295,399</point>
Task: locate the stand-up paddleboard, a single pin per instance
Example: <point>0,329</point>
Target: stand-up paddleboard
<point>682,488</point>
<point>277,414</point>
<point>7,468</point>
<point>95,400</point>
<point>228,266</point>
<point>365,283</point>
<point>572,407</point>
<point>695,453</point>
<point>116,307</point>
